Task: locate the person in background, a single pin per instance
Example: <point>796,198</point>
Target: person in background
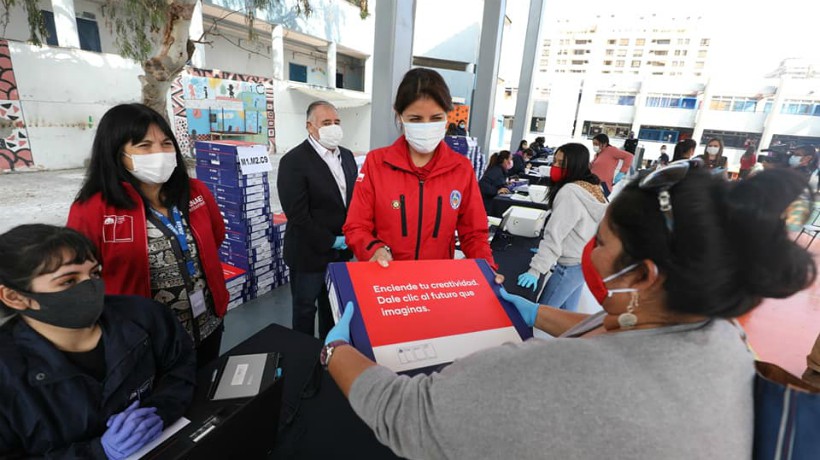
<point>452,130</point>
<point>315,184</point>
<point>521,147</point>
<point>803,159</point>
<point>521,163</point>
<point>662,359</point>
<point>461,129</point>
<point>713,154</point>
<point>606,160</point>
<point>83,374</point>
<point>663,159</point>
<point>538,147</point>
<point>578,204</point>
<point>684,149</point>
<point>411,197</point>
<point>156,229</point>
<point>494,180</point>
<point>747,161</point>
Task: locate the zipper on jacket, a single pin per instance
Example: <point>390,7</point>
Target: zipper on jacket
<point>403,217</point>
<point>421,213</point>
<point>438,217</point>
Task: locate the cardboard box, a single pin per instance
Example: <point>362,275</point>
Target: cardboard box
<point>416,315</point>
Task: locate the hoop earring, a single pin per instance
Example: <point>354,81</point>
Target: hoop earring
<point>629,320</point>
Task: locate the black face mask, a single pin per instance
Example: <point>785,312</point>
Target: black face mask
<point>77,307</point>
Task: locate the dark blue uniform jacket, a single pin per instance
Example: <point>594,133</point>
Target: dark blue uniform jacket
<point>50,408</point>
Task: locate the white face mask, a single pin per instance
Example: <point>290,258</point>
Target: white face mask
<point>424,137</point>
<point>596,148</point>
<point>330,136</point>
<point>794,161</point>
<point>712,151</point>
<point>153,168</point>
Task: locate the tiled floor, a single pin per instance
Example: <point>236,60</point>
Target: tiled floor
<point>251,317</point>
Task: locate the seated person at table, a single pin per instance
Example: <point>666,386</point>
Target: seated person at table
<point>578,205</point>
<point>82,374</point>
<point>494,180</point>
<point>661,373</point>
<point>521,163</point>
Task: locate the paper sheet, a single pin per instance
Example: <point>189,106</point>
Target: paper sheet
<point>166,433</point>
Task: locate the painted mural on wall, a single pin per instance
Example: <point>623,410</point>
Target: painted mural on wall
<point>223,106</point>
<point>460,112</point>
<point>15,151</point>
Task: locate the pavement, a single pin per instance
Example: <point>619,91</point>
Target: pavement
<point>46,196</point>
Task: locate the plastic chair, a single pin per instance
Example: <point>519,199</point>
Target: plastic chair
<point>811,229</point>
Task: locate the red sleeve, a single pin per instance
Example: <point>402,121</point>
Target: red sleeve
<point>360,228</point>
<point>626,157</point>
<point>217,223</point>
<point>87,219</point>
<point>472,225</point>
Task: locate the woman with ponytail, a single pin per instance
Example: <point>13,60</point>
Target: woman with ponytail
<point>578,204</point>
<point>661,372</point>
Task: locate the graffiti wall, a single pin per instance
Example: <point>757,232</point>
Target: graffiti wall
<point>223,106</point>
<point>15,151</point>
<point>460,112</point>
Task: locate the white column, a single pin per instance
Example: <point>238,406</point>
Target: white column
<point>65,22</point>
<point>532,49</point>
<point>482,112</point>
<point>774,114</point>
<point>640,105</point>
<point>195,31</point>
<point>702,116</point>
<point>331,65</point>
<point>277,52</point>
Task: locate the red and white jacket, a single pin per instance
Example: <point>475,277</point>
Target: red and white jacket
<point>417,218</point>
<point>121,237</point>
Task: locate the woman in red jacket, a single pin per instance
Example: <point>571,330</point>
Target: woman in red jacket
<point>157,230</point>
<point>413,196</point>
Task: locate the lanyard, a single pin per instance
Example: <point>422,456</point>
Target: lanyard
<point>179,231</point>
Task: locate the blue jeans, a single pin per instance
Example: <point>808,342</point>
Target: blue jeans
<point>563,289</point>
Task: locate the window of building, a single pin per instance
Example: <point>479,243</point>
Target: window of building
<point>662,41</point>
<point>699,65</point>
<point>731,139</point>
<point>87,30</point>
<point>578,52</point>
<point>704,42</point>
<point>617,130</point>
<point>582,42</point>
<point>610,52</point>
<point>660,52</point>
<point>619,63</point>
<point>668,134</point>
<point>702,53</point>
<point>798,107</point>
<point>607,62</point>
<point>637,53</point>
<point>615,98</point>
<point>48,20</point>
<point>673,101</point>
<point>297,72</point>
<point>733,104</point>
<point>640,41</point>
<point>623,42</point>
<point>508,121</point>
<point>621,53</point>
<point>636,63</point>
<point>610,42</point>
<point>579,62</point>
<point>537,124</point>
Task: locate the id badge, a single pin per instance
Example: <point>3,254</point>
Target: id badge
<point>197,299</point>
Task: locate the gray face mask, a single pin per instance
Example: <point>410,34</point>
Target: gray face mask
<point>77,307</point>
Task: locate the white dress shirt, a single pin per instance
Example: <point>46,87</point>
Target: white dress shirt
<point>333,158</point>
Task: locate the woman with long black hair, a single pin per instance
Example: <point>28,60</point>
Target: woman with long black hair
<point>494,180</point>
<point>578,204</point>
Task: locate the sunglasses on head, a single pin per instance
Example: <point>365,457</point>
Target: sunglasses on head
<point>664,179</point>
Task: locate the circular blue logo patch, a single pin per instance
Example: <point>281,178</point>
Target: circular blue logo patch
<point>455,199</point>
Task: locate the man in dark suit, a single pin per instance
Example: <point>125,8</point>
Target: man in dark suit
<point>315,185</point>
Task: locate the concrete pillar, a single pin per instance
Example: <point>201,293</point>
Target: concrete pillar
<point>774,114</point>
<point>65,22</point>
<point>277,52</point>
<point>532,46</point>
<point>702,115</point>
<point>392,57</point>
<point>195,31</point>
<point>586,104</point>
<point>331,65</point>
<point>640,107</point>
<point>482,111</point>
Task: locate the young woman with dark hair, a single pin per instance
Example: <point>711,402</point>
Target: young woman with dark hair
<point>494,180</point>
<point>747,161</point>
<point>158,227</point>
<point>521,147</point>
<point>713,154</point>
<point>411,197</point>
<point>578,204</point>
<point>679,252</point>
<point>684,149</point>
<point>83,374</point>
<point>606,161</point>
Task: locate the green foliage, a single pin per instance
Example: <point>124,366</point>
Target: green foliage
<point>136,24</point>
<point>36,23</point>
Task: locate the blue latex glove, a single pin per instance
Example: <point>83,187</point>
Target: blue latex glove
<point>528,309</point>
<point>339,243</point>
<point>129,430</point>
<point>528,280</point>
<point>341,331</point>
<point>617,178</point>
<point>534,250</point>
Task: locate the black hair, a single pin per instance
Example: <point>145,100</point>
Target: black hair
<point>419,83</point>
<point>601,138</point>
<point>576,167</point>
<point>315,104</point>
<point>497,159</point>
<point>521,144</point>
<point>31,250</point>
<point>106,172</point>
<point>451,129</point>
<point>528,153</point>
<point>809,151</point>
<point>728,248</point>
<point>682,147</point>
